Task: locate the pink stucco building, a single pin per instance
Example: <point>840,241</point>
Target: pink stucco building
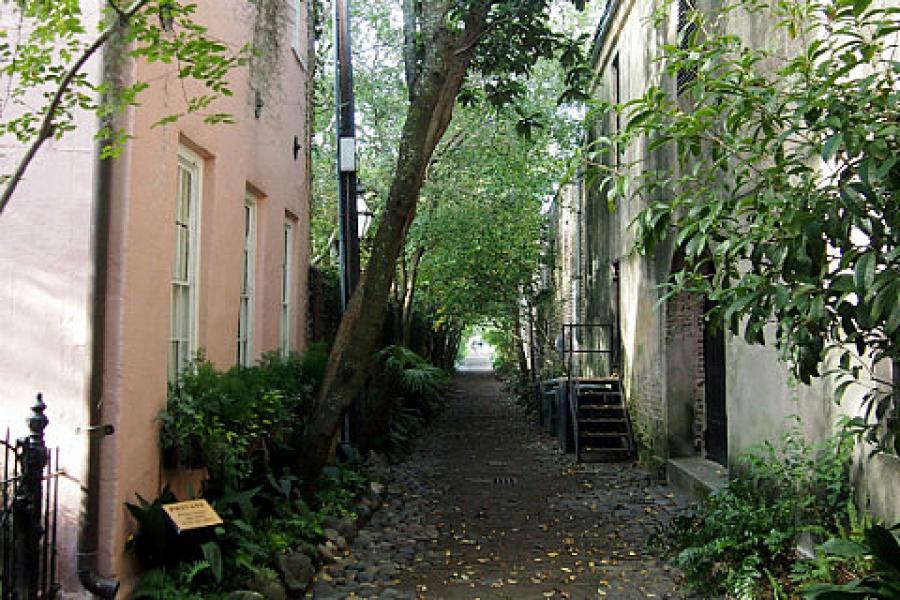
<point>114,273</point>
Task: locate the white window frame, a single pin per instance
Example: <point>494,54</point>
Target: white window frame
<point>287,284</point>
<point>191,164</point>
<point>248,284</point>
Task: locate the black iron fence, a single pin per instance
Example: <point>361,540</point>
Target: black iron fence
<point>29,493</point>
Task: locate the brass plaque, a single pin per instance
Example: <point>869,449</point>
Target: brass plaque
<point>192,514</point>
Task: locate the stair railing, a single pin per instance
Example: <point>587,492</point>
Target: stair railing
<point>573,334</point>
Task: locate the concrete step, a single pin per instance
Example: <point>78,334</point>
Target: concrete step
<point>696,476</point>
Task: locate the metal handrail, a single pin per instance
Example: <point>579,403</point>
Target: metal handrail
<point>568,330</point>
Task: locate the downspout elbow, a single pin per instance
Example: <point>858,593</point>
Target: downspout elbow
<point>103,587</point>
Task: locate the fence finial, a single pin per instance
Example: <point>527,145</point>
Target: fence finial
<point>37,422</point>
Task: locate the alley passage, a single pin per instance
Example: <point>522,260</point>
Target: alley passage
<point>487,507</point>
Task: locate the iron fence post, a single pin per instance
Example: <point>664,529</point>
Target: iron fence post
<point>27,528</point>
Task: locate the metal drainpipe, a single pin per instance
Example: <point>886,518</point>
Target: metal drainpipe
<point>89,533</point>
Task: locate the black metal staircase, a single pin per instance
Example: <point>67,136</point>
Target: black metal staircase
<point>602,429</point>
<point>600,426</point>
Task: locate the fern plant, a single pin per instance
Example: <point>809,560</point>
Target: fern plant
<point>171,583</point>
<point>741,539</point>
<point>415,375</point>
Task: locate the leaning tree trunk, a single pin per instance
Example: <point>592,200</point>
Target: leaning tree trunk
<point>443,69</point>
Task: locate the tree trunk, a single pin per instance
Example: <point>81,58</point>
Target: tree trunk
<point>409,295</point>
<point>520,345</point>
<point>410,46</point>
<point>427,118</point>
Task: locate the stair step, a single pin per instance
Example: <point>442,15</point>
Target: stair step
<point>589,420</point>
<point>606,455</point>
<point>620,432</point>
<point>603,396</point>
<point>602,434</point>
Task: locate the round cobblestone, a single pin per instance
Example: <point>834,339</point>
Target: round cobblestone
<point>488,508</point>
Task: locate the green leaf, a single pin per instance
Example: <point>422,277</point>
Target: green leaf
<point>893,322</point>
<point>841,389</point>
<point>843,548</point>
<point>213,555</point>
<point>832,145</point>
<point>864,273</point>
<point>885,547</point>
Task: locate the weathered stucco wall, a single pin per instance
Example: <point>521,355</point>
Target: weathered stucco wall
<point>45,293</point>
<point>663,346</point>
<point>252,156</point>
<point>46,266</point>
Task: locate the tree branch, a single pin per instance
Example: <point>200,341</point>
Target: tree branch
<point>47,127</point>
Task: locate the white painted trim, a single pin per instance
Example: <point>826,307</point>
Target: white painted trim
<point>192,161</point>
<point>286,312</point>
<point>249,245</point>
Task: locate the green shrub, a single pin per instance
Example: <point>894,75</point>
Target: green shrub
<point>340,487</point>
<point>232,421</point>
<point>742,538</point>
<point>172,583</point>
<point>260,523</point>
<point>411,375</point>
<point>402,397</point>
<point>155,543</point>
<point>245,425</point>
<point>878,546</point>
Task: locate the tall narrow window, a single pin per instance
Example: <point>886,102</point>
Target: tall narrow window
<point>287,285</point>
<point>183,337</point>
<point>248,264</point>
<point>616,92</point>
<point>687,28</point>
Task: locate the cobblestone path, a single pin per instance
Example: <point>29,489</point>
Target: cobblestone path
<point>488,508</point>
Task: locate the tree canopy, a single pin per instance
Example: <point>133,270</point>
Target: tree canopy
<point>491,48</point>
<point>472,247</point>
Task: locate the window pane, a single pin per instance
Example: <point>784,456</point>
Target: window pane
<point>173,361</point>
<point>248,258</point>
<point>295,41</point>
<point>173,328</point>
<point>186,196</point>
<point>183,312</point>
<point>242,325</point>
<point>183,356</point>
<point>285,331</point>
<point>245,274</point>
<point>182,254</point>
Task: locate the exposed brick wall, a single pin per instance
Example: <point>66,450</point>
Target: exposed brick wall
<point>684,333</point>
<point>649,402</point>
